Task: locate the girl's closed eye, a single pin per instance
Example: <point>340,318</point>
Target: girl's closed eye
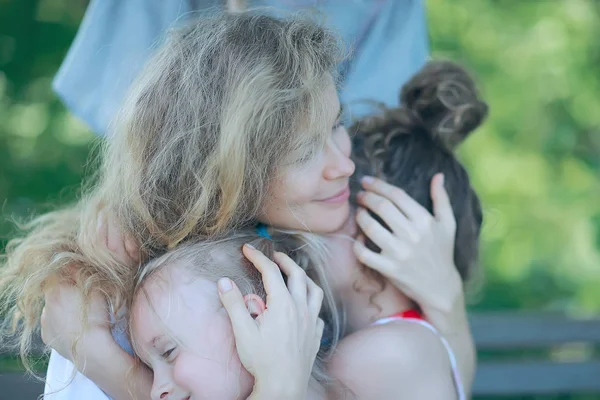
<point>169,355</point>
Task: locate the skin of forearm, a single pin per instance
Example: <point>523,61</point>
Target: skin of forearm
<point>113,370</point>
<point>454,326</point>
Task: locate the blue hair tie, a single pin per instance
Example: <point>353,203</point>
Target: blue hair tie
<point>261,230</point>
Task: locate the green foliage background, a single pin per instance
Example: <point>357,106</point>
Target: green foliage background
<point>535,162</point>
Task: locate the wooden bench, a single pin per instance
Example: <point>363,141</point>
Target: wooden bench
<point>536,354</point>
<point>529,354</point>
<point>19,386</point>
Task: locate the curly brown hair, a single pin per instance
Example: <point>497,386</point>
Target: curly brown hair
<point>407,145</point>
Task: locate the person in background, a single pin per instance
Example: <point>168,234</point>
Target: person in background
<point>387,39</point>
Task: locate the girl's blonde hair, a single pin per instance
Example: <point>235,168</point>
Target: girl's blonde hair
<point>200,139</point>
<point>214,259</point>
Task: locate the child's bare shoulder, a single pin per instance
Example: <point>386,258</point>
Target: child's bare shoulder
<point>395,358</point>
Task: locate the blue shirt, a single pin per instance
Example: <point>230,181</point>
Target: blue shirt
<point>387,38</point>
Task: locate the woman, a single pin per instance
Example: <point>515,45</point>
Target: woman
<point>233,121</point>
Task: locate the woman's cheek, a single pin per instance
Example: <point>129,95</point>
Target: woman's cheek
<point>343,142</point>
<point>302,187</point>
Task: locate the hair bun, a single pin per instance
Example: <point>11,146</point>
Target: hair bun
<point>444,96</point>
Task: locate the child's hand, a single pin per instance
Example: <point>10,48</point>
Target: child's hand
<point>280,345</point>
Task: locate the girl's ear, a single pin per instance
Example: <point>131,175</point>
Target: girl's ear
<point>255,305</point>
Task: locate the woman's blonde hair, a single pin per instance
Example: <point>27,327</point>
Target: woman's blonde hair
<point>214,259</point>
<point>200,139</point>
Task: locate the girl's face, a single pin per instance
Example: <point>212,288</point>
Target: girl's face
<point>183,333</point>
<point>312,195</point>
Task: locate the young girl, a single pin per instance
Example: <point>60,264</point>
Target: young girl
<point>180,329</point>
<point>233,121</point>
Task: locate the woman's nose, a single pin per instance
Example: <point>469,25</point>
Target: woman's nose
<point>338,164</point>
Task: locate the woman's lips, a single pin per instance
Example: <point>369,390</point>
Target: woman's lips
<point>339,197</point>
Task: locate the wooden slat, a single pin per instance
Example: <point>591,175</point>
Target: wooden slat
<point>20,386</point>
<point>526,378</point>
<point>522,330</point>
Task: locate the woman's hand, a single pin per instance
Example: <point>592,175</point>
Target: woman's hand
<point>280,345</point>
<point>123,247</point>
<point>417,256</point>
<point>62,319</point>
<point>89,344</point>
<point>70,325</point>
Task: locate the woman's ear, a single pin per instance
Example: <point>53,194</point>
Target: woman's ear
<point>255,305</point>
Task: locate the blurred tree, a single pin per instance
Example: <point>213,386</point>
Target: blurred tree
<point>536,161</point>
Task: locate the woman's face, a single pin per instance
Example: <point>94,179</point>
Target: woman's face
<point>184,335</point>
<point>312,195</point>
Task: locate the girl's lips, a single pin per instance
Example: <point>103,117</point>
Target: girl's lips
<point>339,197</point>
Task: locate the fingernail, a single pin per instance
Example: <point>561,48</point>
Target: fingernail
<point>367,179</point>
<point>250,246</point>
<point>224,285</point>
<point>441,179</point>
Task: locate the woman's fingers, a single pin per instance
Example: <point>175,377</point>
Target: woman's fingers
<point>115,240</point>
<point>319,331</point>
<point>441,204</point>
<point>123,247</point>
<point>383,238</point>
<point>371,259</point>
<point>297,279</point>
<point>389,213</point>
<point>102,228</point>
<point>44,322</point>
<point>315,298</point>
<point>234,304</point>
<point>271,274</point>
<point>132,249</point>
<point>411,208</point>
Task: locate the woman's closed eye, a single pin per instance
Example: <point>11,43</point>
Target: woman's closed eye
<point>338,120</point>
